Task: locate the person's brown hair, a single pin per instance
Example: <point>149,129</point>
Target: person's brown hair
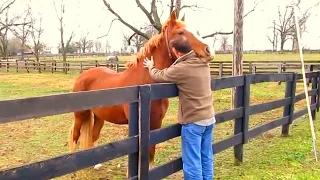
<point>181,44</point>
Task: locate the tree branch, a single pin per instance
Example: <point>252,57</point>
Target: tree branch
<point>194,7</point>
<point>217,33</point>
<point>108,29</point>
<point>54,4</point>
<point>231,32</point>
<point>6,7</point>
<point>70,38</point>
<point>124,22</point>
<point>253,9</point>
<point>148,14</point>
<point>129,39</point>
<point>155,15</point>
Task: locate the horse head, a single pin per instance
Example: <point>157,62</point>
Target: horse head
<point>174,28</point>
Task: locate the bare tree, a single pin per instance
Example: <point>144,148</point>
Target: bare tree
<point>136,41</point>
<point>36,32</point>
<point>84,43</point>
<point>60,17</point>
<point>124,43</point>
<point>285,26</point>
<point>6,23</point>
<point>98,46</point>
<point>4,33</point>
<point>89,47</point>
<point>23,31</point>
<point>108,47</point>
<point>274,39</point>
<point>224,43</point>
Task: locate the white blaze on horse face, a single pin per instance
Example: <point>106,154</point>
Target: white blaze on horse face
<point>196,33</point>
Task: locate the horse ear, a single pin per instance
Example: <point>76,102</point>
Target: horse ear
<point>182,19</point>
<point>173,16</point>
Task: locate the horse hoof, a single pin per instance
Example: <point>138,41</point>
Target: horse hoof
<point>72,146</point>
<point>97,167</point>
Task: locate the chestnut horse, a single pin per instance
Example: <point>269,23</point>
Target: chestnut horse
<point>88,123</point>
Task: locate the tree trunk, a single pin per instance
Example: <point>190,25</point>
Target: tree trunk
<point>37,54</point>
<point>282,45</point>
<point>237,44</point>
<point>178,7</point>
<point>63,48</point>
<point>22,48</point>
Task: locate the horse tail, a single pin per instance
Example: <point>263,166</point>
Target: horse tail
<point>85,139</point>
<point>72,142</point>
<point>81,130</point>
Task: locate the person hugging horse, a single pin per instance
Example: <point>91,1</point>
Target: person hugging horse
<point>196,112</point>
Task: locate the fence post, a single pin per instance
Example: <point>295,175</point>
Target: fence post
<point>220,69</point>
<point>7,66</point>
<point>289,109</point>
<point>246,104</point>
<point>81,66</point>
<point>17,66</point>
<point>241,124</point>
<point>314,84</point>
<point>318,92</point>
<point>144,131</point>
<point>133,131</point>
<point>250,67</point>
<point>254,69</point>
<point>279,71</point>
<point>117,67</point>
<point>39,66</point>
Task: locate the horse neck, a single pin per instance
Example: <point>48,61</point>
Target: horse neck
<point>140,75</point>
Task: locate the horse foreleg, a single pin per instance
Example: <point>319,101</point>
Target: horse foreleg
<point>152,152</point>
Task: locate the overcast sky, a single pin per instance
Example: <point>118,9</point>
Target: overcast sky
<point>92,16</point>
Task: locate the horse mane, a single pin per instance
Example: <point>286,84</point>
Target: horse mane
<point>152,44</point>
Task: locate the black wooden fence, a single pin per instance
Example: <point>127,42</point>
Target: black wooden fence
<point>140,137</point>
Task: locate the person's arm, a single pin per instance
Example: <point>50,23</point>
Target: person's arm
<point>170,74</point>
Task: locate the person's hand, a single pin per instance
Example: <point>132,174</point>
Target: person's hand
<point>148,63</point>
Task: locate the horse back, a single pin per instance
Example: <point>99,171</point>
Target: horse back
<point>96,78</point>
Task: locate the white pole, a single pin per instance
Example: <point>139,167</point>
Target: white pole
<point>305,83</point>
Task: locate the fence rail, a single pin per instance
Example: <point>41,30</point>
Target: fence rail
<point>218,68</point>
<point>140,136</point>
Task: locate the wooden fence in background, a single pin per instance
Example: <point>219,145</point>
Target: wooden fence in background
<point>88,55</point>
<point>140,136</point>
<point>218,68</point>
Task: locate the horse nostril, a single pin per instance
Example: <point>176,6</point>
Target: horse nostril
<point>207,50</point>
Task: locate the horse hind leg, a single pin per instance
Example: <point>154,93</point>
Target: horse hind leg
<point>98,124</point>
<point>81,130</point>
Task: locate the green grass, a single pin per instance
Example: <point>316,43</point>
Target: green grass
<point>268,156</point>
<point>218,57</point>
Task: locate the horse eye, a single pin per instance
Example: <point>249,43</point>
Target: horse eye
<point>180,32</point>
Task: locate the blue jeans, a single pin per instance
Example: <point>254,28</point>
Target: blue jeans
<point>197,154</point>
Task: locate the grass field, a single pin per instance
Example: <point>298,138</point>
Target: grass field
<point>268,156</point>
<point>222,57</point>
